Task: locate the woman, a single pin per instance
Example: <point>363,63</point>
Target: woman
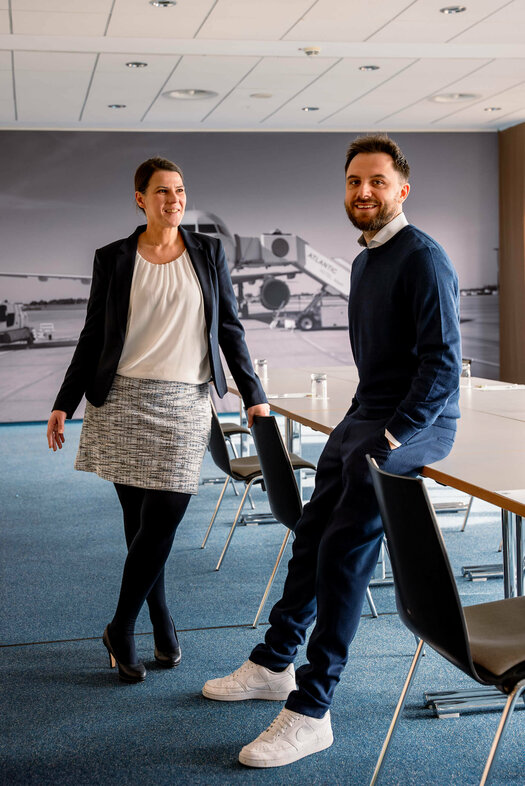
<point>161,305</point>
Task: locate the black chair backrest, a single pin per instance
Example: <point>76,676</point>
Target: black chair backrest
<point>217,445</point>
<point>278,474</point>
<point>426,594</point>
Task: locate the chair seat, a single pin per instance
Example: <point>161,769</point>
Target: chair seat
<point>230,429</point>
<point>248,467</point>
<point>496,634</point>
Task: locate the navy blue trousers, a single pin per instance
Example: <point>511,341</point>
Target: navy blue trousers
<point>335,551</point>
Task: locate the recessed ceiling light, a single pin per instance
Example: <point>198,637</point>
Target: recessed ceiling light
<point>451,98</point>
<point>136,64</point>
<point>369,68</point>
<point>310,50</point>
<point>190,94</point>
<point>310,108</point>
<point>453,9</point>
<point>116,106</point>
<point>163,3</point>
<point>492,109</point>
<point>261,95</point>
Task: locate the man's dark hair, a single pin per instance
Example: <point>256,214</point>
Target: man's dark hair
<point>379,143</point>
<point>147,168</point>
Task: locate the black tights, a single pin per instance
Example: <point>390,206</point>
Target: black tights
<point>151,518</point>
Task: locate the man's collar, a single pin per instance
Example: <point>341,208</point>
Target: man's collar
<point>385,233</point>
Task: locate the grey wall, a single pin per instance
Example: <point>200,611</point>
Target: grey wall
<point>65,193</point>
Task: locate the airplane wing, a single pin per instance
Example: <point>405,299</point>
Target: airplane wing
<point>47,276</point>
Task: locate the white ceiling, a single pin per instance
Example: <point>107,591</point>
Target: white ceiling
<point>62,62</point>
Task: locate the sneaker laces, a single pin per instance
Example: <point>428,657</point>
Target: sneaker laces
<point>284,721</point>
<point>248,666</point>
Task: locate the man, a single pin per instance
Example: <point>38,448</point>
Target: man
<point>404,332</point>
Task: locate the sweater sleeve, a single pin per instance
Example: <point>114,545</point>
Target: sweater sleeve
<point>432,293</point>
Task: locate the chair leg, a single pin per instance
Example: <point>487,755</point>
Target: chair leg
<point>270,581</point>
<point>398,711</point>
<point>232,528</point>
<point>467,512</point>
<point>371,603</point>
<point>505,717</point>
<point>217,506</point>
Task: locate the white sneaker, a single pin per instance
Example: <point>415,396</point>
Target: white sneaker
<point>290,737</point>
<point>251,681</point>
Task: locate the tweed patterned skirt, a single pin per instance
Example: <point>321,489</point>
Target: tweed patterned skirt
<point>148,433</point>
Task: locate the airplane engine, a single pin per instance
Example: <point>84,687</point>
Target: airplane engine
<point>274,293</point>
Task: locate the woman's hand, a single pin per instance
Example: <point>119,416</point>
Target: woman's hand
<point>55,429</point>
<point>257,409</point>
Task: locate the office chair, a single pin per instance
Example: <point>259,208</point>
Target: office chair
<point>281,486</point>
<point>486,641</point>
<point>230,430</point>
<point>246,469</point>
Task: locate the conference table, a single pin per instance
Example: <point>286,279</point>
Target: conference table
<point>486,462</point>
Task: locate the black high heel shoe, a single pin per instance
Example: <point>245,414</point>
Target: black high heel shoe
<point>128,672</point>
<point>169,658</point>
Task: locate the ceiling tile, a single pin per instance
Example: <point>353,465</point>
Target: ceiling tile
<point>7,110</point>
<point>240,109</point>
<point>220,74</point>
<point>407,89</point>
<point>50,62</point>
<point>254,20</point>
<point>240,47</point>
<point>506,26</point>
<point>510,101</point>
<point>59,24</point>
<point>287,73</point>
<point>51,87</point>
<point>63,6</point>
<point>422,22</point>
<point>5,26</point>
<point>137,18</point>
<point>114,83</point>
<point>333,20</point>
<point>281,77</point>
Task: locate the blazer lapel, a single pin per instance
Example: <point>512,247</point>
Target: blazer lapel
<point>199,260</point>
<point>124,266</point>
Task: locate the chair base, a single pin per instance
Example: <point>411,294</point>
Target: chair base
<point>451,703</point>
<point>451,507</point>
<point>254,519</point>
<point>482,572</point>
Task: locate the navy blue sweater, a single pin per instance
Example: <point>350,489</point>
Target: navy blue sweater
<point>404,330</point>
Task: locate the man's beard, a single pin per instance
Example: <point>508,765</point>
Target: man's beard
<point>366,223</point>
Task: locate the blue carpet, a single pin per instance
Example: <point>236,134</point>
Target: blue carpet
<point>67,719</point>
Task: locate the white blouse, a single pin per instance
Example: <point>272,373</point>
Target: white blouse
<point>166,335</point>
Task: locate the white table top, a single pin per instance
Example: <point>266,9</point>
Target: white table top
<point>488,458</point>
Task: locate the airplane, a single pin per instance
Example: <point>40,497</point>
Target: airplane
<point>269,258</point>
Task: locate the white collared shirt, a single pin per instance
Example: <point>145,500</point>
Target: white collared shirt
<point>385,233</point>
<point>382,236</point>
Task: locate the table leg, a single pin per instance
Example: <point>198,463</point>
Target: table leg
<point>520,556</point>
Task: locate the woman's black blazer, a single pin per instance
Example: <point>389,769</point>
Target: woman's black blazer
<point>95,361</point>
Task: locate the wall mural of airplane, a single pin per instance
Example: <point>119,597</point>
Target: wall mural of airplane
<point>269,258</point>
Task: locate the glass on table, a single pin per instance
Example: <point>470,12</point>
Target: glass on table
<point>319,386</point>
<point>261,368</point>
<point>466,372</point>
